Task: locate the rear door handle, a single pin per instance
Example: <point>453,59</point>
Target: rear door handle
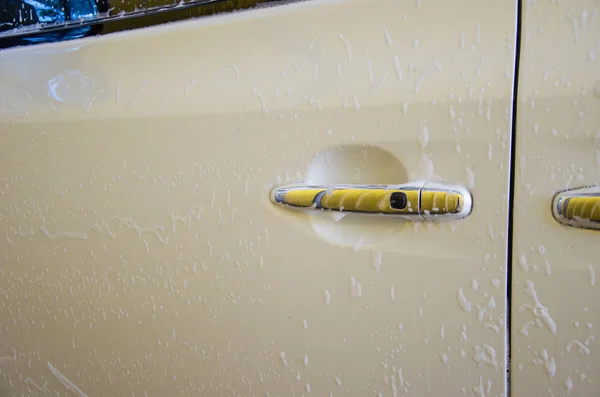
<point>578,207</point>
<point>416,200</point>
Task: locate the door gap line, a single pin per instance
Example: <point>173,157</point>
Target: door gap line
<point>511,195</point>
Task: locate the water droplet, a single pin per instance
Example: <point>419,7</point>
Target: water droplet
<point>568,384</point>
<point>470,175</point>
<point>423,138</point>
<point>539,311</point>
<point>388,37</point>
<point>523,262</point>
<point>425,166</point>
<point>376,257</point>
<point>338,381</point>
<point>283,359</point>
<point>355,288</point>
<point>464,304</point>
<point>547,267</point>
<point>357,245</point>
<point>597,89</point>
<point>485,355</point>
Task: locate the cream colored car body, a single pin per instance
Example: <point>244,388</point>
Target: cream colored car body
<point>555,296</point>
<point>140,252</point>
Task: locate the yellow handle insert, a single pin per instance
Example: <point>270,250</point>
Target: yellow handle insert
<point>302,197</point>
<point>583,208</point>
<point>425,200</point>
<point>371,200</point>
<point>436,202</point>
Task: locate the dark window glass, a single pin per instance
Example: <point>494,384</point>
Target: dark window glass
<point>40,21</point>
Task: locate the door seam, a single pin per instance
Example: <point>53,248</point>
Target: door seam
<point>511,195</point>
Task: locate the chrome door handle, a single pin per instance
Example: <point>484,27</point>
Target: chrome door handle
<point>578,207</point>
<point>417,200</point>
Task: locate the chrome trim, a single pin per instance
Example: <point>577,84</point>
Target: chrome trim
<point>465,208</point>
<point>278,196</point>
<point>560,204</point>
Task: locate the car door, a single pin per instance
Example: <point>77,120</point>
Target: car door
<point>555,305</point>
<point>142,254</point>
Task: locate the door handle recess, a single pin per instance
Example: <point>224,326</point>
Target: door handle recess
<point>578,207</point>
<point>416,200</point>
